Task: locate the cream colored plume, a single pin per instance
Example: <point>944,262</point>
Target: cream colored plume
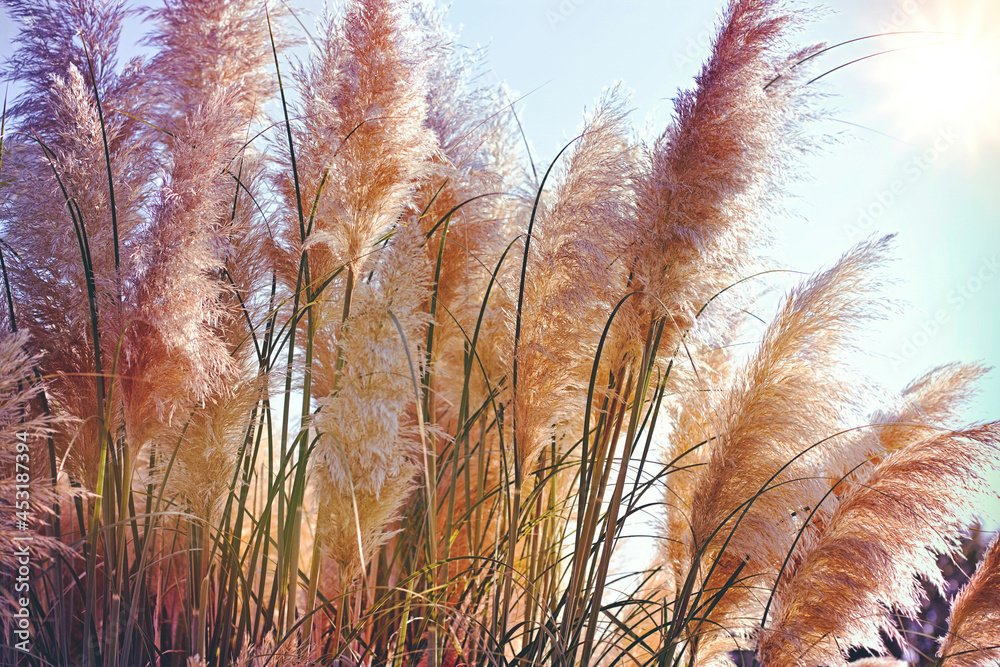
<point>573,274</point>
<point>775,433</point>
<point>973,638</point>
<point>710,177</point>
<point>886,533</point>
<point>365,457</point>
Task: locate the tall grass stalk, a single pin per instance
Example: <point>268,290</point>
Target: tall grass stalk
<point>358,384</point>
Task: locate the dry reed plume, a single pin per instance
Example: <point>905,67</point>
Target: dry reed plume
<point>973,636</point>
<point>314,367</point>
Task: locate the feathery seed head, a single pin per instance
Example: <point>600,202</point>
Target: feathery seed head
<point>973,638</point>
<point>574,273</point>
<point>367,445</point>
<point>886,532</point>
<point>363,131</point>
<point>774,440</point>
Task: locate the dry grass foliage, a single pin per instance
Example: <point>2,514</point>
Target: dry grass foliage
<point>308,364</point>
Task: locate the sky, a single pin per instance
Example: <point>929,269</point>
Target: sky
<point>914,142</point>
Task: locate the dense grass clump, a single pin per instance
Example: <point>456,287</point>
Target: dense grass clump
<point>309,365</point>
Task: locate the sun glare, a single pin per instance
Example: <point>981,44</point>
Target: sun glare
<point>948,81</point>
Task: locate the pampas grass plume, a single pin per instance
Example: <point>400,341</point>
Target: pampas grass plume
<point>973,638</point>
<point>886,532</point>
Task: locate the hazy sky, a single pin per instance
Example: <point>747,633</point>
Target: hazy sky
<point>917,150</point>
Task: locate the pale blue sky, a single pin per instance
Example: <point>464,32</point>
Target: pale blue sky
<point>946,204</point>
<point>936,185</point>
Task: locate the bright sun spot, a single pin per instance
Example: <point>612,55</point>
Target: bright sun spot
<point>947,81</point>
